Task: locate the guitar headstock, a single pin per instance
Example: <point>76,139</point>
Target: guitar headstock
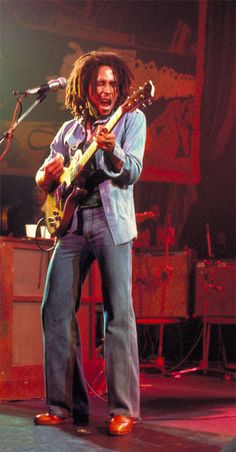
<point>140,98</point>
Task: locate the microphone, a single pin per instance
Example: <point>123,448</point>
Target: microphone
<point>52,85</point>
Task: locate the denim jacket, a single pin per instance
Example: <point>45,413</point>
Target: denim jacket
<point>117,190</point>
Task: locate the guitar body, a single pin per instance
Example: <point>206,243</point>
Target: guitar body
<point>62,201</point>
<point>59,212</point>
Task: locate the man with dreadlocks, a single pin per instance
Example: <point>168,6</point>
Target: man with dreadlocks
<point>102,228</point>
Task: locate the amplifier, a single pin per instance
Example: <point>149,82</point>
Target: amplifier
<point>215,288</point>
<point>160,286</point>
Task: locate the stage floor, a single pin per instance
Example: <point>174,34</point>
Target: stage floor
<point>191,412</point>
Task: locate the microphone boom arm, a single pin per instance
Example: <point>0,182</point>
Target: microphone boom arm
<point>9,132</point>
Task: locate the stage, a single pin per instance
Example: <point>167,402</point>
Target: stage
<point>192,412</point>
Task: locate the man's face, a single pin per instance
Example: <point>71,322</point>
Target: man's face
<point>105,94</point>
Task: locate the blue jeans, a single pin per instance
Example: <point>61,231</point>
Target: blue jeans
<point>66,389</point>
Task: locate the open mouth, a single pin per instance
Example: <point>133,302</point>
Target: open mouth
<point>105,102</point>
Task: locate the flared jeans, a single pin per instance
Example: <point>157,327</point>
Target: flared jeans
<point>66,387</point>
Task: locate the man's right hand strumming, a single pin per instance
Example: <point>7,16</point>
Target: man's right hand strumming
<point>50,172</point>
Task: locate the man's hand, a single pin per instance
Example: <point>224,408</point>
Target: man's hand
<point>54,168</point>
<point>106,141</point>
<point>50,172</point>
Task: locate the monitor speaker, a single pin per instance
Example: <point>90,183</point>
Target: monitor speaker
<point>215,288</point>
<point>160,285</point>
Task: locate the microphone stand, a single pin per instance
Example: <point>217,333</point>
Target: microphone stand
<point>208,284</point>
<point>165,279</point>
<point>9,132</point>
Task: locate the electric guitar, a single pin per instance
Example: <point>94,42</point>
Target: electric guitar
<point>62,201</point>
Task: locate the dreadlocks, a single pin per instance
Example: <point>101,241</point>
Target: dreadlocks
<point>85,72</point>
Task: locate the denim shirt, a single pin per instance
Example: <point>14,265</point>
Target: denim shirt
<point>117,190</point>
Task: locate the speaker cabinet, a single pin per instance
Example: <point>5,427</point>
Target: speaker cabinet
<point>23,268</point>
<point>160,286</point>
<point>215,289</point>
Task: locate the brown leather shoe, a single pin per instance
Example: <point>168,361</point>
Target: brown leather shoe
<point>48,419</point>
<point>120,425</point>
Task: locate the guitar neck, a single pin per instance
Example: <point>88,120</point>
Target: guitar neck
<point>93,146</point>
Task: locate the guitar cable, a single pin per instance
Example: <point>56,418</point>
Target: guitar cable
<point>46,250</point>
